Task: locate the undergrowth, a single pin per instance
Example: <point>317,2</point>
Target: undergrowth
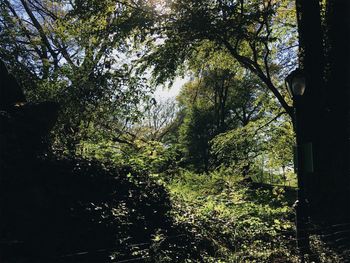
<point>239,222</point>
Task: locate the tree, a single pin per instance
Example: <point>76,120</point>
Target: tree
<point>244,33</point>
<point>196,132</point>
<point>68,52</point>
<point>159,118</point>
<point>326,102</point>
<point>244,29</point>
<point>223,105</point>
<point>256,117</point>
<point>279,145</point>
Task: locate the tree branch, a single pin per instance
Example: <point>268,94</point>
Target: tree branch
<point>41,31</point>
<point>251,65</point>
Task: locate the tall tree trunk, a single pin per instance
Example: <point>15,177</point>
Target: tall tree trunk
<point>336,124</point>
<point>311,60</point>
<point>324,56</point>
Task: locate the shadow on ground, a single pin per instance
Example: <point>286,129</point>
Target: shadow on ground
<point>72,210</point>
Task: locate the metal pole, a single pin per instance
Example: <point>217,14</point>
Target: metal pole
<point>301,205</point>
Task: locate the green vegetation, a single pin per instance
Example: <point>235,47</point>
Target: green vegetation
<point>207,176</point>
<point>241,224</point>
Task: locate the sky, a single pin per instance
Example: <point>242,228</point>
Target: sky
<point>164,93</point>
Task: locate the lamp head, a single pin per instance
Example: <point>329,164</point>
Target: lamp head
<point>295,83</point>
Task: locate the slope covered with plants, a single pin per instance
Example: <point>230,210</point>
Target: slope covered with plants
<point>96,168</point>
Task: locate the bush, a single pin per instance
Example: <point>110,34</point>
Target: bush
<point>236,222</point>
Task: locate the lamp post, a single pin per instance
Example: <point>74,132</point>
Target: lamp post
<point>295,83</point>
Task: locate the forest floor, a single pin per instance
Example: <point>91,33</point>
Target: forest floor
<point>74,210</point>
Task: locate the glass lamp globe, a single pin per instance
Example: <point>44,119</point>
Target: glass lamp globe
<point>295,83</point>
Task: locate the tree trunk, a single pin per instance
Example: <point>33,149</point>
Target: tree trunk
<point>336,126</point>
<point>324,56</point>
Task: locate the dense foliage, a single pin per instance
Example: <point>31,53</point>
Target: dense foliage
<point>241,223</point>
<point>204,177</point>
<point>76,53</point>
